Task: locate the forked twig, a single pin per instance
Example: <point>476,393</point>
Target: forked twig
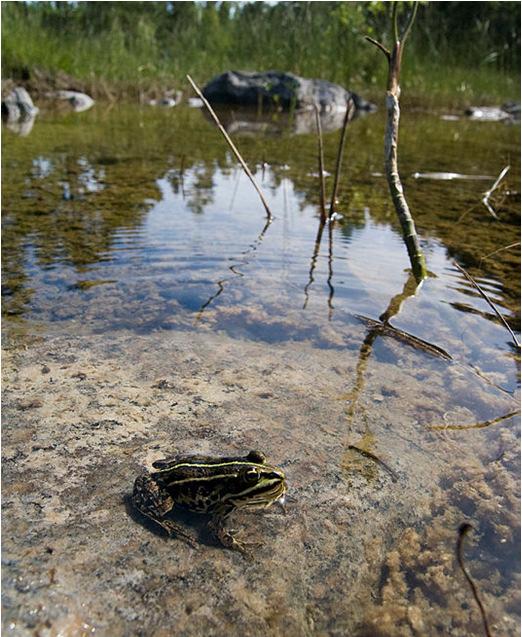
<point>463,530</point>
<point>232,146</point>
<point>488,301</point>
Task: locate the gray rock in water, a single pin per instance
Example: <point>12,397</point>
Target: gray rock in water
<point>18,107</point>
<point>280,90</point>
<point>79,101</point>
<point>508,111</point>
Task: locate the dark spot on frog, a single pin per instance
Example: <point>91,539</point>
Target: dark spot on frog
<point>265,395</point>
<point>79,376</point>
<point>45,369</point>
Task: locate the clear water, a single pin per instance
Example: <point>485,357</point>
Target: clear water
<point>140,220</point>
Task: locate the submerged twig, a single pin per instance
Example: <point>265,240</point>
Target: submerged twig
<point>350,107</point>
<point>371,456</point>
<point>320,153</point>
<point>463,531</point>
<point>476,425</point>
<point>488,301</point>
<point>414,341</point>
<point>490,254</point>
<point>488,193</point>
<point>232,146</point>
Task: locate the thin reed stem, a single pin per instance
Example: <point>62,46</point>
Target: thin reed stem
<point>232,146</point>
<point>488,301</point>
<point>350,107</point>
<point>321,163</point>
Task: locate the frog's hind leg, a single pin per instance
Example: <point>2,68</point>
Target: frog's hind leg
<point>154,502</point>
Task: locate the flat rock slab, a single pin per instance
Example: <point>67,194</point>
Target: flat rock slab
<point>280,90</point>
<point>364,548</point>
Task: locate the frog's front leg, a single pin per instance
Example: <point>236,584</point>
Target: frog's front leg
<point>227,537</point>
<point>154,502</point>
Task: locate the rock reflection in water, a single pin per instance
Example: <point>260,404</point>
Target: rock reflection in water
<point>250,121</point>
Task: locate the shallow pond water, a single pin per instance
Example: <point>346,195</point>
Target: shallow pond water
<point>135,250</point>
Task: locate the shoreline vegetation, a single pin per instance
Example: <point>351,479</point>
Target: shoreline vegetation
<point>139,50</point>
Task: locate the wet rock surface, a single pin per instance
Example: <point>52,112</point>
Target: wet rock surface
<point>360,551</point>
<point>18,111</point>
<point>281,90</point>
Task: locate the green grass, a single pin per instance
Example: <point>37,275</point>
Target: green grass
<point>130,49</point>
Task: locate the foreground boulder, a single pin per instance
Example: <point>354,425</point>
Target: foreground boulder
<point>283,91</point>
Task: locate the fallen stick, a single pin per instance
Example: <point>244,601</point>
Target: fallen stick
<point>232,146</point>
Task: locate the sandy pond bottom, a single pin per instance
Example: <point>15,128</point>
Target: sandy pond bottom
<point>364,548</point>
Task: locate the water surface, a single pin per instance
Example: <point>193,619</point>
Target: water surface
<point>127,223</point>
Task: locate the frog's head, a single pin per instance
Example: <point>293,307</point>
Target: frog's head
<point>258,485</point>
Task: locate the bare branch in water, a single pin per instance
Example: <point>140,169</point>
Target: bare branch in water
<point>463,531</point>
<point>489,192</point>
<point>350,107</point>
<point>488,301</point>
<point>232,146</point>
<point>320,153</point>
<point>476,425</point>
<point>391,138</point>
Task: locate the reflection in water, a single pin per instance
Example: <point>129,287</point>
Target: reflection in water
<point>233,268</point>
<point>313,261</point>
<point>250,121</point>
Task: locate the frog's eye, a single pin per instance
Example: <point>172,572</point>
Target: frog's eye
<point>251,475</point>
